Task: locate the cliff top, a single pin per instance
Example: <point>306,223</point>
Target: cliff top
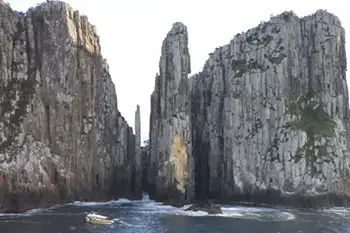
<point>62,11</point>
<point>57,10</point>
<point>178,31</point>
<point>278,20</point>
<point>287,17</point>
<point>177,28</point>
<point>4,3</point>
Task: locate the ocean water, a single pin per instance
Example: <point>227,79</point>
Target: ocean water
<point>152,217</point>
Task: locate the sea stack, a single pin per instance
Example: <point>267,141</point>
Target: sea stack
<point>137,166</point>
<point>172,166</point>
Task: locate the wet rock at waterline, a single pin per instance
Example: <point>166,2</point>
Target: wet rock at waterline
<point>267,119</point>
<point>61,134</point>
<point>207,206</point>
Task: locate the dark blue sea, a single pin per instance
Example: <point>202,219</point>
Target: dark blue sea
<point>152,217</point>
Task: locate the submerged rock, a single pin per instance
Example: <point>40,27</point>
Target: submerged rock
<point>61,134</point>
<point>269,117</point>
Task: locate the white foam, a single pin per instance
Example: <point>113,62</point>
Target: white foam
<point>93,203</point>
<point>27,213</point>
<point>33,211</point>
<point>337,210</point>
<point>341,211</point>
<point>6,214</point>
<point>258,213</point>
<point>148,206</point>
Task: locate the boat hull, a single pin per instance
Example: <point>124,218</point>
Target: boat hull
<point>101,222</point>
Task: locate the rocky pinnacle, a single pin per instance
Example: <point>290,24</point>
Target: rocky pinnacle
<point>138,170</point>
<point>171,176</point>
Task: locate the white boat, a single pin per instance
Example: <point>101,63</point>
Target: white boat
<point>97,219</point>
<point>96,216</point>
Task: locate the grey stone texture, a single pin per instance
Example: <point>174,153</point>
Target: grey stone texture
<point>266,120</point>
<point>61,135</point>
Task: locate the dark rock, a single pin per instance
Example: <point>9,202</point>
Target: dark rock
<point>174,203</point>
<point>208,207</point>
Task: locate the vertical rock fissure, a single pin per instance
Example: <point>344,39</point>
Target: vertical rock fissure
<point>48,123</point>
<point>223,175</point>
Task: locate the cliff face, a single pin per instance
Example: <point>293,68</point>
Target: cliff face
<point>171,168</point>
<point>61,134</point>
<point>269,114</point>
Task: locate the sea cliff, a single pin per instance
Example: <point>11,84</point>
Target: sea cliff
<point>266,120</point>
<point>62,137</point>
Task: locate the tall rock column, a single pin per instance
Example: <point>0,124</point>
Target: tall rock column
<point>171,163</point>
<point>137,166</point>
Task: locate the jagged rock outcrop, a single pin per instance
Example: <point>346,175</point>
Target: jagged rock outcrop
<point>170,175</point>
<point>206,206</point>
<point>61,134</point>
<point>270,114</point>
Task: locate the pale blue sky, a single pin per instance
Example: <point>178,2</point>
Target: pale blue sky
<point>131,34</point>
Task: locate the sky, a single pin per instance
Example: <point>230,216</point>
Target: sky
<point>131,34</point>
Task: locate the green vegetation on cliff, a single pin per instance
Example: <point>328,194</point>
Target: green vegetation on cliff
<point>316,123</point>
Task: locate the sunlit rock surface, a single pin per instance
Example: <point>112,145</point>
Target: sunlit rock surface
<point>61,134</point>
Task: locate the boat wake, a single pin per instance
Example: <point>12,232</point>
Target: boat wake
<point>117,220</point>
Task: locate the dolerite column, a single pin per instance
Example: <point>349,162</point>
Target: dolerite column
<point>170,130</point>
<point>138,171</point>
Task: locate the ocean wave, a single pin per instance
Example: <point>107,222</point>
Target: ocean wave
<point>93,203</point>
<point>257,213</point>
<point>26,213</point>
<point>260,215</point>
<point>340,211</point>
